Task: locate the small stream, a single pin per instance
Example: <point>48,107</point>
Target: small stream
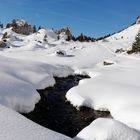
<point>54,112</point>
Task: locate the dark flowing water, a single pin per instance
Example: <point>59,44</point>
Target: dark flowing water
<point>54,112</point>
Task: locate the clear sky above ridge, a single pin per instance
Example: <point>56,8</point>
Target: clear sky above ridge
<point>91,17</point>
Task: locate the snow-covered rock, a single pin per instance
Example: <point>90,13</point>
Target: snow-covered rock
<point>60,53</point>
<point>20,22</point>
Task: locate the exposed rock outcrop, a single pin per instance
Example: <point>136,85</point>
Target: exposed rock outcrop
<point>20,27</point>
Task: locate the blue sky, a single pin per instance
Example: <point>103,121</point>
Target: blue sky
<point>91,17</point>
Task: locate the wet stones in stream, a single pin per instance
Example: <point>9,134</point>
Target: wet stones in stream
<point>54,112</point>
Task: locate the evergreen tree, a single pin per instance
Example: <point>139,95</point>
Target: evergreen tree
<point>45,38</point>
<point>39,27</point>
<point>5,35</point>
<point>73,38</point>
<point>13,21</point>
<point>81,38</point>
<point>93,39</point>
<point>136,44</point>
<point>1,25</point>
<point>34,29</point>
<point>84,38</point>
<point>14,24</point>
<point>8,25</point>
<point>58,37</point>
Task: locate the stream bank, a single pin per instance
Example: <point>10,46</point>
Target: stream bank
<point>54,112</point>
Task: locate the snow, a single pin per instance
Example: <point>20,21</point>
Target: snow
<point>107,129</point>
<point>23,78</point>
<point>16,127</point>
<point>62,36</point>
<point>50,35</point>
<point>31,63</point>
<point>20,22</point>
<point>123,39</point>
<point>76,54</point>
<point>115,88</point>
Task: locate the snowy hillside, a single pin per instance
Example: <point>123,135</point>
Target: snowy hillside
<point>41,39</point>
<point>30,62</point>
<point>123,39</point>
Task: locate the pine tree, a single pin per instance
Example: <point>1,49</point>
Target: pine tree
<point>14,21</point>
<point>14,24</point>
<point>73,38</point>
<point>1,25</point>
<point>34,29</point>
<point>5,35</point>
<point>136,44</point>
<point>39,27</point>
<point>8,25</point>
<point>81,38</point>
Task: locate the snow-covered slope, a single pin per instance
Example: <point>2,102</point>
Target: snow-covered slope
<point>123,39</point>
<point>31,63</point>
<point>43,34</point>
<point>14,126</point>
<point>40,39</point>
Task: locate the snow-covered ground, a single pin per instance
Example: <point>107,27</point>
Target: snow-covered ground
<point>31,62</point>
<point>107,129</point>
<point>20,79</point>
<point>16,127</point>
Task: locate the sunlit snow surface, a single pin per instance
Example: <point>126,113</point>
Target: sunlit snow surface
<point>14,126</point>
<point>31,63</point>
<point>107,129</point>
